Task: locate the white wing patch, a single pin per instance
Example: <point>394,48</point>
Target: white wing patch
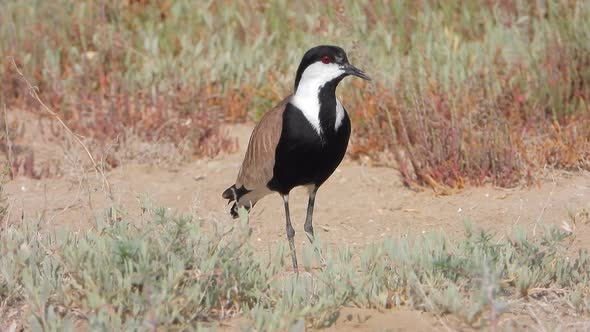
<point>306,97</point>
<point>254,196</point>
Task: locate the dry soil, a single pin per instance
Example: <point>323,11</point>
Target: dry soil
<point>358,205</point>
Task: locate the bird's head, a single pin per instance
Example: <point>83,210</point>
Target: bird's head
<point>323,64</point>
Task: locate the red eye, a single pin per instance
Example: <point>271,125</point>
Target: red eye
<point>326,59</point>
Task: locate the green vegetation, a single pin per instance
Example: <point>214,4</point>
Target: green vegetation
<point>463,93</point>
<point>169,274</point>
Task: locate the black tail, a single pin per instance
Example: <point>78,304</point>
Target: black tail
<point>230,193</point>
<point>233,194</point>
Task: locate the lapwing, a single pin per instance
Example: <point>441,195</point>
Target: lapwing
<point>299,142</point>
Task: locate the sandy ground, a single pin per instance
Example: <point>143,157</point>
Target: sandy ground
<point>356,206</point>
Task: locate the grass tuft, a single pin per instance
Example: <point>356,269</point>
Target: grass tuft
<point>171,275</point>
<point>490,91</point>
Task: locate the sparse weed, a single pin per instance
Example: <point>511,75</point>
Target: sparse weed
<point>170,275</point>
<point>463,93</point>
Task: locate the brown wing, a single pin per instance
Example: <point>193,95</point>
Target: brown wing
<point>258,164</point>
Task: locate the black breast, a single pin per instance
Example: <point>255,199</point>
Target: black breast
<point>302,156</point>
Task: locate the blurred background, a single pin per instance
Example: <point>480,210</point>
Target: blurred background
<point>126,228</point>
<point>463,92</point>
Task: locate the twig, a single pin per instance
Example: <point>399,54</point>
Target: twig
<point>44,213</point>
<point>545,206</point>
<point>438,316</point>
<point>536,318</point>
<point>8,144</point>
<point>7,216</point>
<point>534,291</point>
<point>35,95</point>
<point>68,206</point>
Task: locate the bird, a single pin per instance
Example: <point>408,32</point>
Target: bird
<point>299,142</point>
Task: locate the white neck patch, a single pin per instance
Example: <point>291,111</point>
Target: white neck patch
<point>339,114</point>
<point>306,97</point>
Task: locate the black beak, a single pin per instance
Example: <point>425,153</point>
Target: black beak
<point>352,70</point>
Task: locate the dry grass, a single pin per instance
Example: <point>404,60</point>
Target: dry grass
<point>464,93</point>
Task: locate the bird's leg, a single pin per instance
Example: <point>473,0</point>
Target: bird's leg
<point>290,233</point>
<point>308,226</point>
